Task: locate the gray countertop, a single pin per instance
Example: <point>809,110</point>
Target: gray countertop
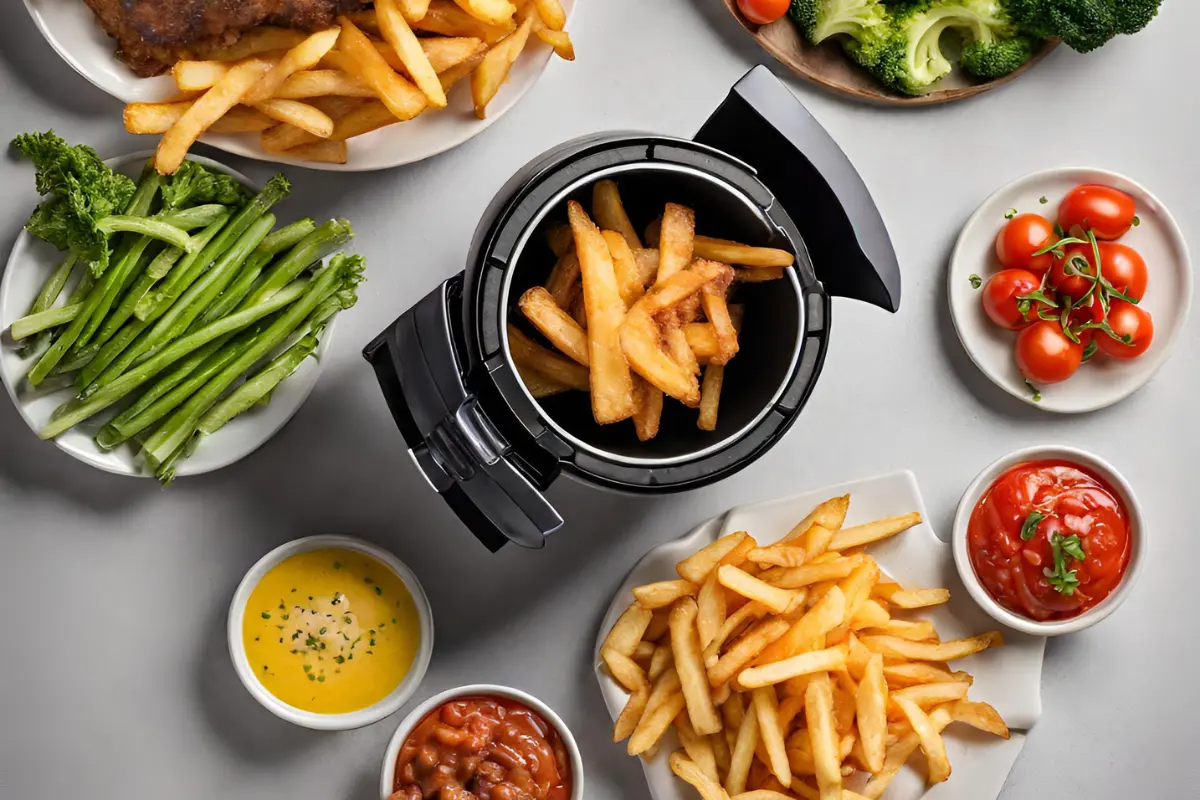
<point>115,680</point>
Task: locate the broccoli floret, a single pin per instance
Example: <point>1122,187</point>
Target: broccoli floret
<point>1083,25</point>
<point>866,24</point>
<point>996,59</point>
<point>912,59</point>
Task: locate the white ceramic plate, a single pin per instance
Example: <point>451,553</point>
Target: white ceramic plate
<point>30,263</point>
<point>71,29</point>
<point>1104,381</point>
<point>1008,677</point>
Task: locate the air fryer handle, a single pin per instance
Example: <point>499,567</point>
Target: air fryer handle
<point>451,440</point>
<point>763,124</point>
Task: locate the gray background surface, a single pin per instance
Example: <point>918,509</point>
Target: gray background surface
<point>114,677</point>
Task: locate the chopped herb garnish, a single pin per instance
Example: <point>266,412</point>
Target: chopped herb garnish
<point>1012,212</point>
<point>286,616</point>
<point>372,643</point>
<point>350,657</point>
<point>295,636</point>
<point>347,620</point>
<point>281,641</point>
<point>379,591</point>
<point>312,677</point>
<point>320,679</point>
<point>337,565</point>
<point>322,645</point>
<point>256,638</point>
<point>1037,396</point>
<point>393,620</point>
<point>281,605</point>
<point>1029,529</point>
<point>1137,221</point>
<point>293,591</point>
<point>322,631</point>
<point>264,667</point>
<point>371,632</point>
<point>368,580</point>
<point>310,597</point>
<point>340,659</point>
<point>975,280</point>
<point>1043,200</point>
<point>308,667</point>
<point>370,652</point>
<point>266,615</point>
<point>1064,581</point>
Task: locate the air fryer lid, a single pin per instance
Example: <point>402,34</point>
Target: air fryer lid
<point>473,429</point>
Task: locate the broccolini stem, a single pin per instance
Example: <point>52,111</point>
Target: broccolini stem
<point>43,320</point>
<point>145,226</point>
<point>253,390</point>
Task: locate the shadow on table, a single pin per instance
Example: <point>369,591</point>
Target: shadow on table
<point>36,64</point>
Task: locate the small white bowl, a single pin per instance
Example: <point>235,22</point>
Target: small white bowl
<point>1137,533</point>
<point>388,778</point>
<point>308,719</point>
<point>1096,385</point>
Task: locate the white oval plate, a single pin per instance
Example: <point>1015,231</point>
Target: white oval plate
<point>30,263</point>
<point>1008,677</point>
<point>71,29</point>
<point>1104,381</point>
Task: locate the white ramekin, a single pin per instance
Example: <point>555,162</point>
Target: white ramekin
<point>388,778</point>
<point>308,719</point>
<point>983,482</point>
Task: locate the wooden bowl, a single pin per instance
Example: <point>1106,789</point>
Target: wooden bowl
<point>827,64</point>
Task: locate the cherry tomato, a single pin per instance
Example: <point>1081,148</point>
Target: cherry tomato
<point>1129,320</point>
<point>1105,211</point>
<point>1045,354</point>
<point>1124,268</point>
<point>1000,298</point>
<point>1074,285</point>
<point>760,12</point>
<point>1023,236</point>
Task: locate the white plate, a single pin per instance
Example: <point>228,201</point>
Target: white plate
<point>1106,381</point>
<point>71,29</point>
<point>1008,677</point>
<point>30,263</point>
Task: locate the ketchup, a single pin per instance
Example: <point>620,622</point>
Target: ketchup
<point>482,748</point>
<point>1030,527</point>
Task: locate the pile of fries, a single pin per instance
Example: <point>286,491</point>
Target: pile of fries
<point>637,323</point>
<point>792,670</point>
<point>307,95</point>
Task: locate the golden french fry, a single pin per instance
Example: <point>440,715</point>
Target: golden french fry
<point>552,13</point>
<point>830,514</point>
<point>921,631</point>
<point>743,752</point>
<point>625,670</point>
<point>918,672</point>
<point>779,556</point>
<point>808,574</point>
<point>740,254</point>
<point>678,348</point>
<point>757,275</point>
<point>322,82</point>
<point>396,32</point>
<point>445,18</point>
<point>218,100</point>
<point>698,565</point>
<point>492,12</point>
<point>871,704</point>
<point>159,117</point>
<point>612,382</point>
<point>710,614</point>
<point>699,748</point>
<point>762,794</point>
<point>894,647</point>
<point>919,598</point>
<point>328,152</point>
<point>607,207</point>
<point>818,712</point>
<point>654,723</point>
<point>299,115</point>
<point>303,56</point>
<point>675,240</point>
<point>564,48</point>
<point>931,741</point>
<point>873,531</point>
<point>824,616</point>
<point>980,716</point>
<point>647,414</point>
<point>527,353</point>
<point>746,649</point>
<point>718,316</point>
<point>662,658</point>
<point>630,715</point>
<point>689,772</point>
<point>404,100</point>
<point>857,656</point>
<point>560,240</point>
<point>643,652</point>
<point>702,339</point>
<point>766,707</point>
<point>710,396</point>
<point>832,658</point>
<point>665,686</point>
<point>685,644</point>
<point>929,695</point>
<point>414,10</point>
<point>663,593</point>
<point>647,264</point>
<point>491,73</point>
<point>196,76</point>
<point>628,630</point>
<point>659,626</point>
<point>872,615</point>
<point>564,278</point>
<point>752,588</point>
<point>555,324</point>
<point>256,41</point>
<point>629,281</point>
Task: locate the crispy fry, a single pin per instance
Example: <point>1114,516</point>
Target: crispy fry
<point>196,76</point>
<point>654,723</point>
<point>612,382</point>
<point>538,385</point>
<point>718,316</point>
<point>702,339</point>
<point>746,649</point>
<point>648,411</point>
<point>224,95</point>
<point>758,275</point>
<point>300,115</point>
<point>607,207</point>
<point>686,646</point>
<point>643,652</point>
<point>931,695</point>
<point>555,324</point>
<point>811,573</point>
<point>743,752</point>
<point>552,13</point>
<point>626,671</point>
<point>492,12</point>
<point>396,32</point>
<point>659,625</point>
<point>689,772</point>
<point>560,240</point>
<point>710,396</point>
<point>872,615</point>
<point>630,715</point>
<point>980,716</point>
<point>710,615</point>
<point>918,672</point>
<point>766,707</point>
<point>818,711</point>
<point>740,254</point>
<point>778,555</point>
<point>629,282</point>
<point>871,703</point>
<point>830,514</point>
<point>322,82</point>
<point>628,630</point>
<point>303,56</point>
<point>491,73</point>
<point>663,593</point>
<point>824,616</point>
<point>752,588</point>
<point>696,567</point>
<point>328,152</point>
<point>699,748</point>
<point>922,631</point>
<point>919,598</point>
<point>662,658</point>
<point>931,741</point>
<point>404,100</point>
<point>678,348</point>
<point>564,279</point>
<point>675,240</point>
<point>414,10</point>
<point>159,117</point>
<point>666,685</point>
<point>445,18</point>
<point>894,647</point>
<point>874,531</point>
<point>647,264</point>
<point>525,352</point>
<point>564,48</point>
<point>804,664</point>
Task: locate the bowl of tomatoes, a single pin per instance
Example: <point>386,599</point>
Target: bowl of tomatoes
<point>1069,287</point>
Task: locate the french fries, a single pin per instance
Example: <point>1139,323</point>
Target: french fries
<point>373,55</point>
<point>796,699</point>
<point>555,324</point>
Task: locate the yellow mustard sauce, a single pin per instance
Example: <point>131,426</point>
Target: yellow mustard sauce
<point>330,631</point>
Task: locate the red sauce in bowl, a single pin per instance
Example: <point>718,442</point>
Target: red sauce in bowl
<point>482,748</point>
<point>1049,540</point>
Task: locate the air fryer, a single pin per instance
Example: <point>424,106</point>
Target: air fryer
<point>760,171</point>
